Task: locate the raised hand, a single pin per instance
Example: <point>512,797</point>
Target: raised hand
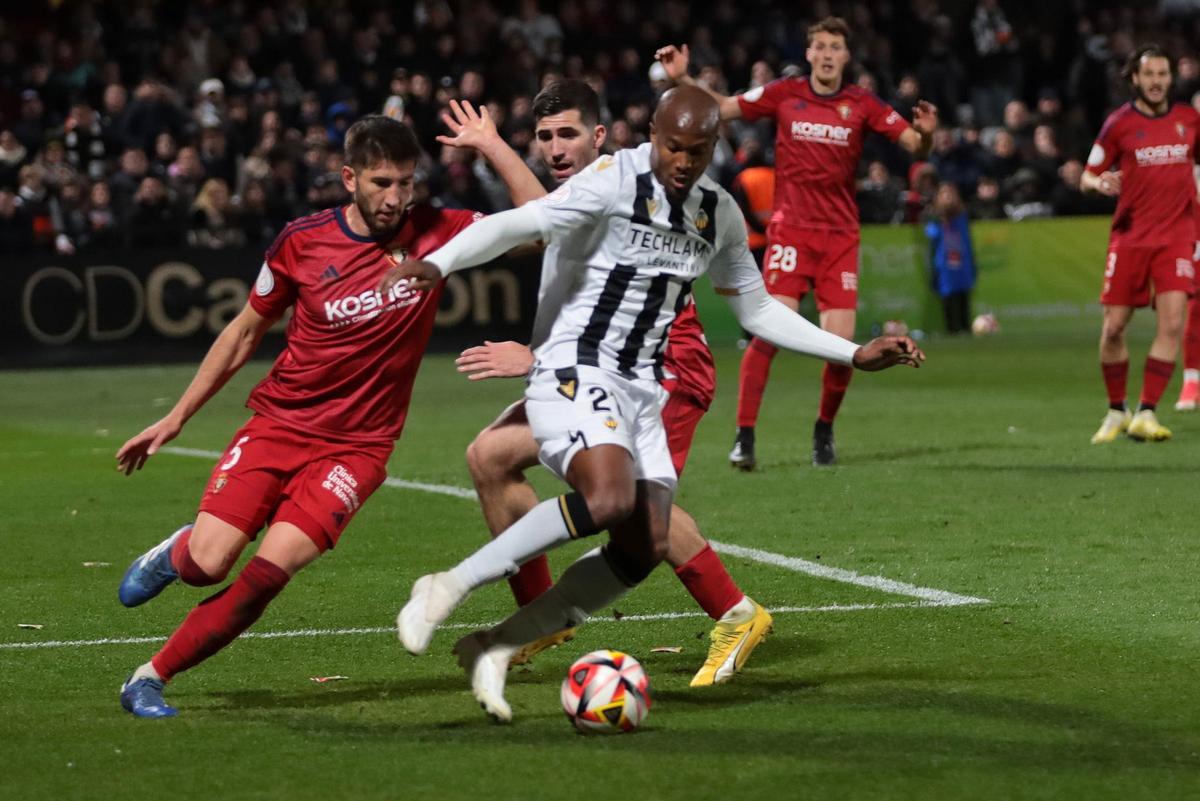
<point>674,60</point>
<point>925,117</point>
<point>471,128</point>
<point>884,352</point>
<point>495,360</point>
<point>134,453</point>
<point>1109,183</point>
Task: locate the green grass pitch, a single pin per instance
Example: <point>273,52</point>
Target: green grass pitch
<point>973,475</point>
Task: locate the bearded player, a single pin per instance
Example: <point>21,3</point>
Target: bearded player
<point>1151,142</point>
<point>812,240</point>
<point>568,139</point>
<point>324,419</point>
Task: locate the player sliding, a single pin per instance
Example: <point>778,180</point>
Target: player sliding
<point>569,137</point>
<point>812,240</point>
<point>325,417</point>
<point>633,231</point>
<point>1152,143</point>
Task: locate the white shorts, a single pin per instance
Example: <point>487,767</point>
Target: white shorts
<point>576,408</point>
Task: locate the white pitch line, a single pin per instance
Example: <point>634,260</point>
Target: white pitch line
<point>275,635</point>
<point>937,597</point>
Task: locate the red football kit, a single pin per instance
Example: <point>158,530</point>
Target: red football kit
<point>692,384</point>
<point>334,402</point>
<point>1153,229</point>
<point>813,235</point>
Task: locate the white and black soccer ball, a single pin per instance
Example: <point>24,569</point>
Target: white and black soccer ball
<point>606,692</point>
<point>985,325</point>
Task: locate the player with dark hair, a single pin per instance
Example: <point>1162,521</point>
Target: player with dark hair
<point>1152,144</point>
<point>324,419</point>
<point>568,138</point>
<point>633,230</point>
<point>821,121</point>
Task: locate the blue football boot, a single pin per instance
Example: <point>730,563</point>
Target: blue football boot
<point>150,573</point>
<point>144,698</point>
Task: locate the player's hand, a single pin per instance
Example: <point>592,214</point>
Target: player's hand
<point>674,60</point>
<point>418,274</point>
<point>471,128</point>
<point>884,352</point>
<point>925,117</point>
<point>495,360</point>
<point>134,453</point>
<point>1109,183</point>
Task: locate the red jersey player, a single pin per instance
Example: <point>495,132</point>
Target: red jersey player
<point>568,139</point>
<point>1152,144</point>
<point>324,419</point>
<point>1189,393</point>
<point>821,122</point>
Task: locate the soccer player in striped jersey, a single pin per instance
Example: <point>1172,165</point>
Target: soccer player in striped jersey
<point>631,232</point>
<point>821,122</point>
<point>1145,155</point>
<point>568,139</point>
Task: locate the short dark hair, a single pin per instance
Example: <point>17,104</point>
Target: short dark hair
<point>832,25</point>
<point>376,138</point>
<point>566,95</point>
<point>1149,50</point>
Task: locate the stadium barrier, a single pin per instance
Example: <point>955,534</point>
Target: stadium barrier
<point>147,306</point>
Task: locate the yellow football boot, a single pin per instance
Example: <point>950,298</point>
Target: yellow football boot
<point>1146,428</point>
<point>1115,423</point>
<point>732,644</point>
<point>530,650</point>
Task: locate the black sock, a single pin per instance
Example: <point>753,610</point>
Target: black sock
<point>746,434</point>
<point>1147,407</point>
<point>1118,406</point>
<point>822,428</point>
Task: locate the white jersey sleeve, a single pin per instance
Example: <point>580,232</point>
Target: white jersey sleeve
<point>580,202</point>
<point>732,269</point>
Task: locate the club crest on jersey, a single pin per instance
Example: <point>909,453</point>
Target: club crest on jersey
<point>843,110</point>
<point>568,388</point>
<point>651,206</point>
<point>1179,129</point>
<point>611,423</point>
<point>701,220</point>
<point>399,255</point>
<point>220,483</point>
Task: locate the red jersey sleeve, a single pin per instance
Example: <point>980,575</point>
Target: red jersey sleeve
<point>763,101</point>
<point>885,120</point>
<point>1106,149</point>
<point>275,289</point>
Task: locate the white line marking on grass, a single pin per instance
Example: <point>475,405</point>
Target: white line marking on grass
<point>599,620</point>
<point>935,597</point>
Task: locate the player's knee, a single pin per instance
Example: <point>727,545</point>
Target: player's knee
<point>631,568</point>
<point>1113,332</point>
<point>488,461</point>
<point>610,504</point>
<point>213,559</point>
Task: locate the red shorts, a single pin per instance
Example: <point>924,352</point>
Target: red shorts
<point>680,416</point>
<point>1129,272</point>
<point>272,473</point>
<point>802,259</point>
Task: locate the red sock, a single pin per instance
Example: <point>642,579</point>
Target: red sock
<point>752,380</point>
<point>531,580</point>
<point>1115,375</point>
<point>189,572</point>
<point>1191,337</point>
<point>706,578</point>
<point>834,380</point>
<point>1155,379</point>
<point>220,618</point>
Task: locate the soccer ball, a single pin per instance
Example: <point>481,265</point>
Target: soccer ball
<point>985,325</point>
<point>606,692</point>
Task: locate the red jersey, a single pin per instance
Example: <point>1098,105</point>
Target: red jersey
<point>688,358</point>
<point>1155,157</point>
<point>352,354</point>
<point>818,142</point>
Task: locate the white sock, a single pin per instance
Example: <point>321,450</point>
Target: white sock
<point>740,612</point>
<point>586,587</point>
<point>146,671</point>
<point>1191,375</point>
<point>534,534</point>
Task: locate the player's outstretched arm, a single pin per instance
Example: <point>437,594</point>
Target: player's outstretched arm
<point>495,360</point>
<point>675,62</point>
<point>765,317</point>
<point>918,140</point>
<point>477,130</point>
<point>477,244</point>
<point>231,349</point>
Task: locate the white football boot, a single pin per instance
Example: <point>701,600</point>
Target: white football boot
<point>434,597</point>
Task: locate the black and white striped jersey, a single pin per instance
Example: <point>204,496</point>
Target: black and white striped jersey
<point>623,258</point>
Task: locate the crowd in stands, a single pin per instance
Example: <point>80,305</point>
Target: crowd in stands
<point>143,123</point>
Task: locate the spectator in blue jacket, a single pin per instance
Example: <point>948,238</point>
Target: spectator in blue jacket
<point>951,257</point>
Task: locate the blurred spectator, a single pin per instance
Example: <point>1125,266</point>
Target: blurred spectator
<point>951,258</point>
<point>1066,198</point>
<point>31,127</point>
<point>68,215</point>
<point>996,69</point>
<point>12,155</point>
<point>16,230</point>
<point>212,224</point>
<point>879,195</point>
<point>83,137</point>
<point>986,204</point>
<point>152,220</point>
<point>34,199</point>
<point>253,217</point>
<point>1005,158</point>
<point>185,175</point>
<point>103,223</point>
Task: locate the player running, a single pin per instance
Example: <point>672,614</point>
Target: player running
<point>812,241</point>
<point>633,231</point>
<point>324,419</point>
<point>1152,144</point>
<point>569,137</point>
